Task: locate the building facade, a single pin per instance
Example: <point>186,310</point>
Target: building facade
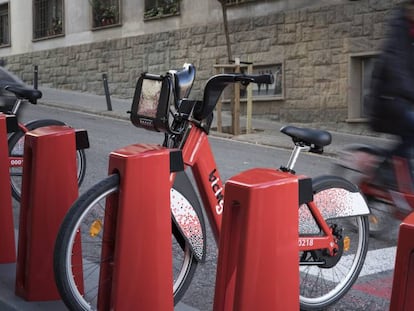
<point>321,51</point>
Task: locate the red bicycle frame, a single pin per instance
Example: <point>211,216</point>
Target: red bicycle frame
<point>197,154</point>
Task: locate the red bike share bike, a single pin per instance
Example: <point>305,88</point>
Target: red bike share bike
<point>21,94</point>
<point>333,228</point>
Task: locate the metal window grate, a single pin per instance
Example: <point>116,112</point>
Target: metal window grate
<point>231,2</point>
<point>161,8</point>
<point>48,18</point>
<point>105,12</point>
<point>4,24</point>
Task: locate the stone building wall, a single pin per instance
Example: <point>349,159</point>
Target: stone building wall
<point>314,45</point>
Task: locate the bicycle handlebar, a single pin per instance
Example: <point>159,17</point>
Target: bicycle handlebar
<point>216,84</point>
<point>258,79</point>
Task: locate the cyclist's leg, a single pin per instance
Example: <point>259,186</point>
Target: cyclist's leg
<point>405,149</point>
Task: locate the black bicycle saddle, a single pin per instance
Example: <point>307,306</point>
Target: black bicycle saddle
<point>307,136</point>
<point>22,91</point>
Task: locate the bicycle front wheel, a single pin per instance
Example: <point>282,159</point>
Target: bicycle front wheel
<point>85,220</point>
<point>324,279</point>
<point>16,150</point>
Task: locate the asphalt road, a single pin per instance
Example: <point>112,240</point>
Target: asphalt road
<point>370,293</point>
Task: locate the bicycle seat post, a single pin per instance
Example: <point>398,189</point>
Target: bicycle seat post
<point>16,106</point>
<point>294,156</point>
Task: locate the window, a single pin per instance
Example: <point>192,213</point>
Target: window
<point>360,78</point>
<point>161,8</point>
<point>47,18</point>
<point>4,25</point>
<point>231,2</point>
<point>265,90</point>
<point>105,13</point>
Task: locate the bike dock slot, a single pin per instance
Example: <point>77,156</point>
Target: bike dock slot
<point>402,298</point>
<point>49,188</point>
<point>8,124</point>
<point>260,204</point>
<point>143,219</point>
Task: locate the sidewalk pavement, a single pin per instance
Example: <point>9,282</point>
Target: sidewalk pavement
<point>266,132</point>
<point>10,302</point>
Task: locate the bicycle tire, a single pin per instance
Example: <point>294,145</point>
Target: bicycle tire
<point>322,286</point>
<point>86,214</point>
<point>16,148</point>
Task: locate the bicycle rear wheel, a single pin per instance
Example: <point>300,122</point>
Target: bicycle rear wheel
<point>86,218</point>
<point>324,279</point>
<point>16,149</point>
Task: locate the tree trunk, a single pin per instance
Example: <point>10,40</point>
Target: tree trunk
<point>226,29</point>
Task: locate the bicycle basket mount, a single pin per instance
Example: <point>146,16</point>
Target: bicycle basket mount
<point>151,103</point>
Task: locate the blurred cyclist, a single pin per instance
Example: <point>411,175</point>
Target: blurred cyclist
<point>391,103</point>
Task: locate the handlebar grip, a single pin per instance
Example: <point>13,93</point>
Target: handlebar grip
<point>264,79</point>
<point>258,79</point>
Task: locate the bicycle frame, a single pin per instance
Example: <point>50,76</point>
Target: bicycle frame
<point>197,155</point>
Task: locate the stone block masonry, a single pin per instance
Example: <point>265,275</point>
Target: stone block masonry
<point>314,44</point>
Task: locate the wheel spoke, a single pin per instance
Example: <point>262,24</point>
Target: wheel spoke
<point>323,285</point>
<point>86,220</point>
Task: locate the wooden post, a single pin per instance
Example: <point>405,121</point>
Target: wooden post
<point>234,101</point>
<point>236,104</point>
<point>249,104</point>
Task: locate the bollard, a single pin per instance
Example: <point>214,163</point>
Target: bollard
<point>402,295</point>
<point>49,188</point>
<point>35,76</point>
<point>142,229</point>
<point>8,124</point>
<point>258,250</point>
<point>106,89</point>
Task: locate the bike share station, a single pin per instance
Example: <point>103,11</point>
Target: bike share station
<point>402,297</point>
<point>8,124</point>
<point>258,250</point>
<point>49,188</point>
<point>248,222</point>
<point>143,206</point>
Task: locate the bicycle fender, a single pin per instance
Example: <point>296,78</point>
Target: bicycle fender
<point>333,202</point>
<point>187,215</point>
